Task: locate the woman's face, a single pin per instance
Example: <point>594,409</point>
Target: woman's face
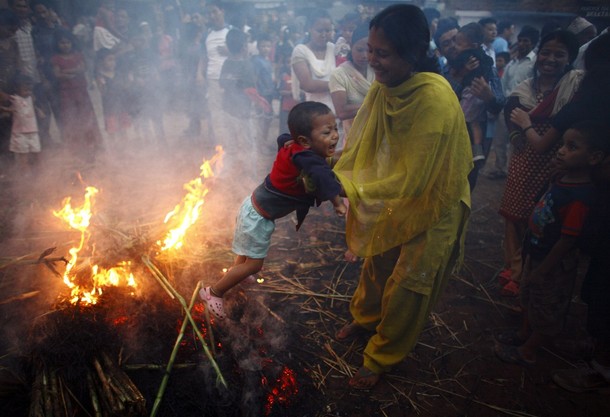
<point>552,59</point>
<point>321,32</point>
<point>390,68</point>
<point>360,53</point>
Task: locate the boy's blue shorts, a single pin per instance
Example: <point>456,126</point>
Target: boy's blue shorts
<point>253,232</point>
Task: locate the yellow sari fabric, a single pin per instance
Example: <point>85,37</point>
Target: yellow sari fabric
<point>407,162</point>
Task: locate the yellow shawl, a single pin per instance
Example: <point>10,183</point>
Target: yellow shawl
<point>406,164</point>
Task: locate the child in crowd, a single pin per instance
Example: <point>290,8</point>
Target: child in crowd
<point>24,142</point>
<point>550,252</point>
<point>78,123</point>
<point>265,86</point>
<point>300,178</point>
<point>502,60</point>
<point>112,86</point>
<point>468,43</point>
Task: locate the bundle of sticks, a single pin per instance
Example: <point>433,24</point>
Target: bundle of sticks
<point>109,391</point>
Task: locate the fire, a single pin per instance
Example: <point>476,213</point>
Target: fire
<point>189,209</point>
<point>283,391</point>
<point>79,218</point>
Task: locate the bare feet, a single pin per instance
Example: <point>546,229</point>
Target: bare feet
<point>348,331</point>
<point>350,257</point>
<point>364,379</point>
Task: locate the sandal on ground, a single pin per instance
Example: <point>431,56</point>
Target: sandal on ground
<point>511,354</point>
<point>511,289</point>
<point>213,303</point>
<point>364,379</point>
<point>350,330</point>
<point>508,337</point>
<point>580,379</point>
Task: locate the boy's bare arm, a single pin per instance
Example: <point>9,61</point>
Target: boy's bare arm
<point>564,245</point>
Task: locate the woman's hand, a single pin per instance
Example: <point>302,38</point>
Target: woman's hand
<point>520,117</point>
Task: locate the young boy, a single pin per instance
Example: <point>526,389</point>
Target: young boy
<point>300,178</point>
<point>549,250</point>
<point>502,60</point>
<point>468,45</point>
<point>24,142</point>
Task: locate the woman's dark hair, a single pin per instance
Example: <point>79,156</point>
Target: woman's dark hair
<point>406,27</point>
<point>566,38</point>
<point>361,32</point>
<point>316,14</point>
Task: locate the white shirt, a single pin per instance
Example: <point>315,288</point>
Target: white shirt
<point>215,39</point>
<point>517,71</point>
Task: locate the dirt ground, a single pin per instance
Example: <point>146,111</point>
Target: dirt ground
<point>287,321</point>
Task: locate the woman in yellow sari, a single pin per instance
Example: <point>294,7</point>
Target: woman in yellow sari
<point>404,172</point>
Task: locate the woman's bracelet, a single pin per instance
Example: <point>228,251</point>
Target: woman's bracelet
<point>527,128</point>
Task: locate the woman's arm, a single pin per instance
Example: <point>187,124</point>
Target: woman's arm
<point>540,144</point>
<point>343,110</point>
<point>307,83</point>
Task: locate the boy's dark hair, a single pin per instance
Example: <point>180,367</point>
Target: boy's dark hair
<point>236,41</point>
<point>473,32</point>
<point>596,133</point>
<point>263,37</point>
<point>503,25</point>
<point>8,18</point>
<point>505,55</point>
<point>531,33</point>
<point>300,118</point>
<point>487,21</point>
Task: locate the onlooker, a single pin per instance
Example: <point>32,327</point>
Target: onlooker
<point>502,59</point>
<point>265,85</point>
<point>468,45</point>
<point>584,30</point>
<point>408,206</point>
<point>313,61</point>
<point>347,25</point>
<point>25,143</point>
<point>9,65</point>
<point>350,82</point>
<point>216,54</point>
<point>287,101</point>
<point>552,86</point>
<point>490,92</point>
<point>490,32</point>
<point>78,123</point>
<point>518,70</point>
<point>502,43</point>
<point>549,250</point>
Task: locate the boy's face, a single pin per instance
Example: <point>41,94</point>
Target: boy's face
<point>575,152</point>
<point>462,43</point>
<point>500,62</point>
<point>324,135</point>
<point>490,32</point>
<point>264,48</point>
<point>24,90</point>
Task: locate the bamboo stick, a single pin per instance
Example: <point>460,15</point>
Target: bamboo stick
<point>159,276</point>
<point>172,357</point>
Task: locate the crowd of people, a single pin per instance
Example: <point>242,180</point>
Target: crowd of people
<point>413,105</point>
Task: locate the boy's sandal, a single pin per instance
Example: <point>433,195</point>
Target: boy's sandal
<point>213,303</point>
<point>349,331</point>
<point>511,289</point>
<point>508,337</point>
<point>511,354</point>
<point>580,380</point>
<point>364,379</point>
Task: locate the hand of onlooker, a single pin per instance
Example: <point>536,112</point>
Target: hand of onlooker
<point>481,89</point>
<point>472,64</point>
<point>520,118</point>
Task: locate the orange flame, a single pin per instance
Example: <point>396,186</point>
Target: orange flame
<point>79,218</point>
<point>189,210</point>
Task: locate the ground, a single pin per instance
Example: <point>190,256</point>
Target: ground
<point>286,322</point>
